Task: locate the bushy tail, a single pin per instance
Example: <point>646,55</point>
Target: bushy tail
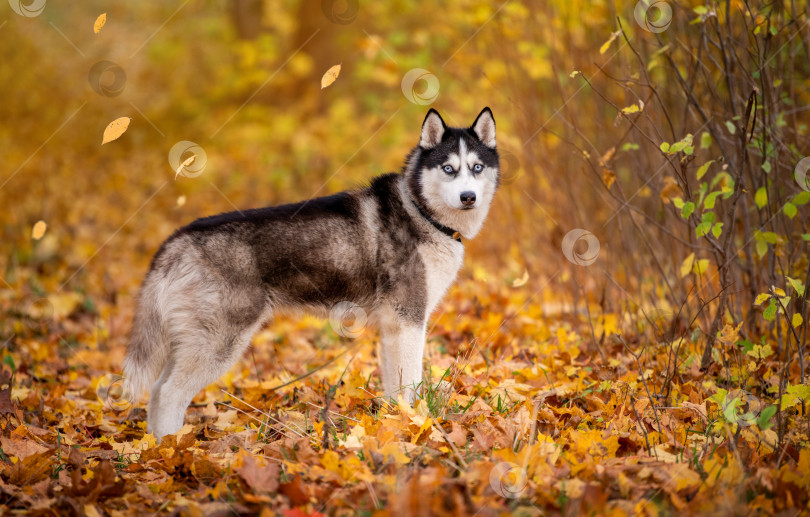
<point>148,347</point>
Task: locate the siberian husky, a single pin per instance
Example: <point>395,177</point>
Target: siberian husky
<point>391,249</point>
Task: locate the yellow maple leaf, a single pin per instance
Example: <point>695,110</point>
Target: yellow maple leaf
<point>331,461</point>
<point>799,474</point>
<point>611,325</point>
<point>562,336</point>
<point>760,351</point>
<point>393,450</point>
<point>729,334</point>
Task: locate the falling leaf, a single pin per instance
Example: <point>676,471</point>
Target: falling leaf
<point>574,74</point>
<point>100,21</point>
<point>39,230</point>
<point>115,129</point>
<point>330,76</point>
<point>188,161</point>
<point>520,282</point>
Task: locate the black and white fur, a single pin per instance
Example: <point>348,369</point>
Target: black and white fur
<point>388,248</point>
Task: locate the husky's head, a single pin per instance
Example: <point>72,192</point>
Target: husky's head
<point>453,173</point>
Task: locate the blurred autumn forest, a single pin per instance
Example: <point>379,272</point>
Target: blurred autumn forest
<point>628,333</point>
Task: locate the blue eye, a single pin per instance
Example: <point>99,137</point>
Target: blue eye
<point>448,169</point>
<point>478,167</point>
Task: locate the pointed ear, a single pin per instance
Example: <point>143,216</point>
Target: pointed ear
<point>432,130</point>
<point>484,127</point>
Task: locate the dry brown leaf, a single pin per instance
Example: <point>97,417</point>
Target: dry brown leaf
<point>115,129</point>
<point>330,76</point>
<point>258,478</point>
<point>99,23</point>
<point>31,469</point>
<point>20,448</point>
<point>670,190</point>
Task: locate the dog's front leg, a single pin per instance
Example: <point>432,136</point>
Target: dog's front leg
<point>401,351</point>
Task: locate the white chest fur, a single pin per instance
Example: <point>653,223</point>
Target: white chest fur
<point>442,262</point>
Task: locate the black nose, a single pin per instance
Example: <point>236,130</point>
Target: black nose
<point>468,198</point>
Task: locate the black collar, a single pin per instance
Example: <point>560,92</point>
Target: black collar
<point>453,234</point>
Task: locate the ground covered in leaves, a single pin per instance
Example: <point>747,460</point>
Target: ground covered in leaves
<point>532,408</point>
<point>565,393</point>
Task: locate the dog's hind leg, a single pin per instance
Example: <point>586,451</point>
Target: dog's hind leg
<point>191,367</point>
<point>206,341</point>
